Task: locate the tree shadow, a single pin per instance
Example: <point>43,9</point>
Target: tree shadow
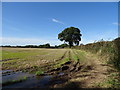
<point>76,85</point>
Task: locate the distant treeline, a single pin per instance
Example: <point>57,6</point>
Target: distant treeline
<point>38,46</point>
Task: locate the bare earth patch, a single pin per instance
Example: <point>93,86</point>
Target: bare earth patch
<point>88,76</point>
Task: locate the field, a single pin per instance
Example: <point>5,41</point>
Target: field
<point>53,68</point>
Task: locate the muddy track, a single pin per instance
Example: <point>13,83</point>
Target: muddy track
<point>68,67</point>
<point>51,64</point>
<point>63,56</point>
<point>86,75</point>
<point>72,71</point>
<point>76,55</point>
<point>97,75</point>
<point>63,66</point>
<point>89,75</point>
<point>70,58</point>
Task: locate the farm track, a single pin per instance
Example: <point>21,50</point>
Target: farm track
<point>62,56</point>
<point>70,56</point>
<point>98,72</point>
<point>69,66</point>
<point>56,62</point>
<point>83,76</point>
<point>76,74</point>
<point>76,55</point>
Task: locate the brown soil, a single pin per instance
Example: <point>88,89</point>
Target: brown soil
<point>80,76</point>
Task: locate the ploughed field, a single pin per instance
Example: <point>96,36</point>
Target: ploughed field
<point>50,68</point>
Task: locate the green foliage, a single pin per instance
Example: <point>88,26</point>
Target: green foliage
<point>31,46</point>
<point>71,35</point>
<point>40,72</point>
<point>45,46</point>
<point>111,82</point>
<point>108,49</point>
<point>116,58</point>
<point>63,45</point>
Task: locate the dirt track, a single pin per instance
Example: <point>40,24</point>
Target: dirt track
<point>82,76</point>
<point>72,69</point>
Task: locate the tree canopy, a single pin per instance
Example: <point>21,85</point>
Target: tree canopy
<point>71,35</point>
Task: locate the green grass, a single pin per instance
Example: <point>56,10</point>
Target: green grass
<point>75,58</point>
<point>24,54</point>
<point>111,82</point>
<point>40,72</point>
<point>79,55</point>
<point>61,62</point>
<point>108,52</point>
<point>26,59</point>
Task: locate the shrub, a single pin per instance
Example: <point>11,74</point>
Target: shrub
<point>109,49</point>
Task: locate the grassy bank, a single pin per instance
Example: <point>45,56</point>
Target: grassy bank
<point>108,51</point>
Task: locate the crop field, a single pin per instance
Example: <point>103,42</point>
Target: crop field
<point>19,59</point>
<point>53,68</point>
<point>26,58</point>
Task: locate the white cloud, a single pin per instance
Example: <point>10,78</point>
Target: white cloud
<point>27,41</point>
<point>86,41</point>
<point>57,21</point>
<point>115,23</point>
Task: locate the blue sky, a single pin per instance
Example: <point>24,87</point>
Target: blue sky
<point>39,23</point>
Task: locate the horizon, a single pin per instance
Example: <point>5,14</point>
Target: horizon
<point>59,44</point>
<point>31,23</point>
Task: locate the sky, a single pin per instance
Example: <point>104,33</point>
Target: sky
<point>25,23</point>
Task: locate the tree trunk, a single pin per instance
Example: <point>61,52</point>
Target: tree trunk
<point>70,44</point>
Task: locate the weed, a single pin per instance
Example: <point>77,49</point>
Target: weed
<point>40,72</point>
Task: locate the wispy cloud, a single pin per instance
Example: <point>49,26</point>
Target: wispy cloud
<point>27,41</point>
<point>57,21</point>
<point>115,23</point>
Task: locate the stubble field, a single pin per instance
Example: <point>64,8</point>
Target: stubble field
<point>51,68</point>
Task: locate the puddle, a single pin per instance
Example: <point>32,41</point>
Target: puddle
<point>60,74</point>
<point>34,82</point>
<point>15,76</point>
<point>30,82</point>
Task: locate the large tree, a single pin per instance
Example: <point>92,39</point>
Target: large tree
<point>71,35</point>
